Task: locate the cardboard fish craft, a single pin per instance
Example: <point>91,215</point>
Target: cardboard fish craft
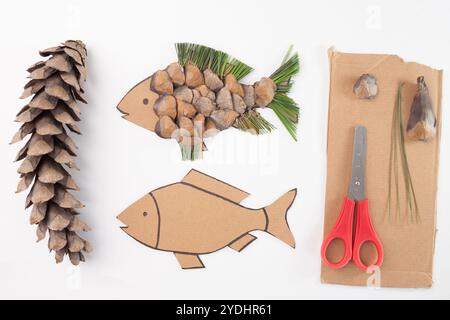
<point>200,95</point>
<point>200,215</point>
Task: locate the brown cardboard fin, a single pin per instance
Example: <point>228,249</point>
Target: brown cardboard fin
<point>206,182</point>
<point>242,242</point>
<point>189,261</point>
<point>277,218</point>
<point>137,105</point>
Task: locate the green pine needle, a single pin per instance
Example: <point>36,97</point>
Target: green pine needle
<point>289,68</point>
<point>253,122</point>
<point>204,57</point>
<point>284,107</point>
<point>288,54</point>
<point>398,152</point>
<point>287,111</point>
<point>191,152</point>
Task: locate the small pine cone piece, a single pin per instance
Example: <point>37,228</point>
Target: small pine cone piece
<point>265,90</point>
<point>55,87</point>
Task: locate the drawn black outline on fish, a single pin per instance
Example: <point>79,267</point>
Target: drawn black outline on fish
<point>271,219</point>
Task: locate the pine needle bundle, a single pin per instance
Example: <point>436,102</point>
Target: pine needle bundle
<point>254,123</point>
<point>284,107</point>
<point>398,153</point>
<point>208,58</point>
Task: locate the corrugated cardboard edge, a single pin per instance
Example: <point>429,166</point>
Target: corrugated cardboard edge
<point>438,151</point>
<point>394,279</point>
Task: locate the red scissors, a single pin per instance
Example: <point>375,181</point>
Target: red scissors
<point>343,229</point>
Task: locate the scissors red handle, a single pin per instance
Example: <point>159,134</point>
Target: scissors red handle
<point>342,230</point>
<point>364,232</point>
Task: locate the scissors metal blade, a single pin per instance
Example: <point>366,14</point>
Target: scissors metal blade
<point>356,188</point>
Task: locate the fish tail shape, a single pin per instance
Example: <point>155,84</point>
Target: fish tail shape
<point>277,224</point>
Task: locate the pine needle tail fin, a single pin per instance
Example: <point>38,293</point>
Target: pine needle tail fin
<point>285,107</point>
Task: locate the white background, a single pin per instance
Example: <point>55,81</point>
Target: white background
<point>127,41</point>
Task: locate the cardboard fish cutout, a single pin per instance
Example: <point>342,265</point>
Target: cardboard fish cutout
<point>200,95</point>
<point>201,215</point>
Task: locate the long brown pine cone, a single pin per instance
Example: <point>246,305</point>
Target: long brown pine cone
<point>56,85</point>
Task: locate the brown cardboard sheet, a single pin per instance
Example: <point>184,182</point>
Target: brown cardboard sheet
<point>408,247</point>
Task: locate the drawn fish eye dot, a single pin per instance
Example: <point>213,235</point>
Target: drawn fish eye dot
<point>145,213</point>
<point>145,101</point>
